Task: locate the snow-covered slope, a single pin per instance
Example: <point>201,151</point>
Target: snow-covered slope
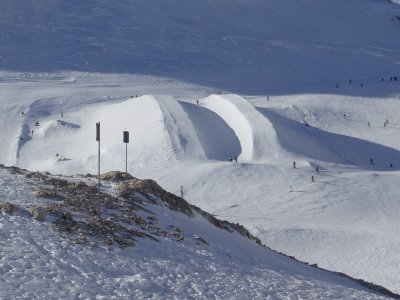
<point>254,46</point>
<point>176,254</point>
<point>342,221</point>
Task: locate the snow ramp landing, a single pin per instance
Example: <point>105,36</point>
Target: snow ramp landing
<point>195,132</point>
<point>256,134</point>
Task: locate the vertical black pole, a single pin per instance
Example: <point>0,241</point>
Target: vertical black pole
<point>98,195</point>
<point>125,139</point>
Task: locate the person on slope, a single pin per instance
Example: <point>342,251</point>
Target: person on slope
<point>294,164</point>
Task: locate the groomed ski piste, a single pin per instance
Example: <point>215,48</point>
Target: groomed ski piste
<point>340,222</point>
<point>222,99</point>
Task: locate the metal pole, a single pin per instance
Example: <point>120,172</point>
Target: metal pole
<point>98,163</point>
<point>126,157</point>
<point>98,196</point>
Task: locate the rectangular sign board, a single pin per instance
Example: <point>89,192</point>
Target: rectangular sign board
<point>126,137</point>
<point>98,132</point>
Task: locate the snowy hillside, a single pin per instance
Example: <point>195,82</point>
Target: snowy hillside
<point>199,83</point>
<point>149,244</point>
<point>347,220</point>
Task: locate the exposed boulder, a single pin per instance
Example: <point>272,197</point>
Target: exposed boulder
<point>154,193</point>
<point>38,213</point>
<point>116,176</point>
<point>8,208</point>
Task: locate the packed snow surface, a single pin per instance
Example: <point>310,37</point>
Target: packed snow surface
<point>198,84</point>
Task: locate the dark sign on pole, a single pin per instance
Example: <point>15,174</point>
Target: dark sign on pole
<point>98,132</point>
<point>126,141</point>
<point>126,137</point>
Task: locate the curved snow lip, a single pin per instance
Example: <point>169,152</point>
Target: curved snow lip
<point>217,139</point>
<point>316,144</point>
<point>256,134</point>
<point>184,142</point>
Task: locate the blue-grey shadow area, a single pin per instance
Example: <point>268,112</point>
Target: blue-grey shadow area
<point>218,140</point>
<point>317,144</point>
<point>68,124</point>
<point>236,46</point>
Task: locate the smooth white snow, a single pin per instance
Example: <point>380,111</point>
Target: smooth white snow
<point>260,70</point>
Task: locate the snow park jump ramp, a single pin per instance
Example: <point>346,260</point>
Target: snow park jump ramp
<point>142,116</point>
<point>162,134</point>
<point>256,134</point>
<point>195,132</point>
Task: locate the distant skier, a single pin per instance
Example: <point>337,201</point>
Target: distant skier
<point>312,178</point>
<point>32,132</point>
<point>197,101</point>
<point>384,124</point>
<point>230,158</point>
<point>267,98</point>
<point>62,114</point>
<point>391,165</point>
<point>22,113</point>
<point>317,170</point>
<point>344,116</point>
<point>369,125</point>
<point>337,85</point>
<point>37,124</point>
<point>57,154</point>
<point>294,164</point>
<point>350,81</point>
<point>362,85</point>
<point>382,79</point>
<point>371,161</point>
